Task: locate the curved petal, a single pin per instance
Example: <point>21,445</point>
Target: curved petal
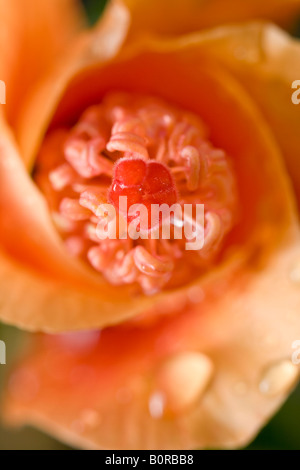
<point>265,194</point>
<point>267,62</point>
<point>109,391</point>
<point>98,46</point>
<point>42,287</point>
<point>32,37</point>
<point>184,16</point>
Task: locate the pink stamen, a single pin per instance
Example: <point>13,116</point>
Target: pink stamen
<point>151,265</point>
<point>152,153</point>
<point>62,176</point>
<point>129,143</point>
<point>191,156</point>
<point>71,209</point>
<point>85,157</point>
<point>91,199</point>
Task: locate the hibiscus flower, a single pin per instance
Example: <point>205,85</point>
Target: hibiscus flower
<point>180,349</point>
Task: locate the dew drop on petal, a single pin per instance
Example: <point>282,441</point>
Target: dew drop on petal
<point>90,418</point>
<point>295,273</point>
<point>83,341</point>
<point>156,405</point>
<point>196,294</point>
<point>279,378</point>
<point>183,379</point>
<point>87,420</point>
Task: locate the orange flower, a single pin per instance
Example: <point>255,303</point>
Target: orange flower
<point>214,110</point>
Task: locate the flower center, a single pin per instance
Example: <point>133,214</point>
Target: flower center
<point>142,182</point>
<point>152,154</point>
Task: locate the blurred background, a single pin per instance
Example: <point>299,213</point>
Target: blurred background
<point>281,433</point>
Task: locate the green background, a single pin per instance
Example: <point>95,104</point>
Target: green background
<point>281,433</point>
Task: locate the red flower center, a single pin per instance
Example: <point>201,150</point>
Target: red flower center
<point>142,182</point>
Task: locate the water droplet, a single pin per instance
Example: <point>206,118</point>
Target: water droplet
<point>156,405</point>
<point>295,273</point>
<point>279,378</point>
<point>90,418</point>
<point>196,294</point>
<point>183,379</point>
<point>83,341</point>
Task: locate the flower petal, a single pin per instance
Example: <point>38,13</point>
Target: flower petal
<point>267,62</point>
<point>108,393</point>
<point>185,16</point>
<point>201,86</point>
<point>33,35</point>
<point>42,287</point>
<point>98,46</point>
